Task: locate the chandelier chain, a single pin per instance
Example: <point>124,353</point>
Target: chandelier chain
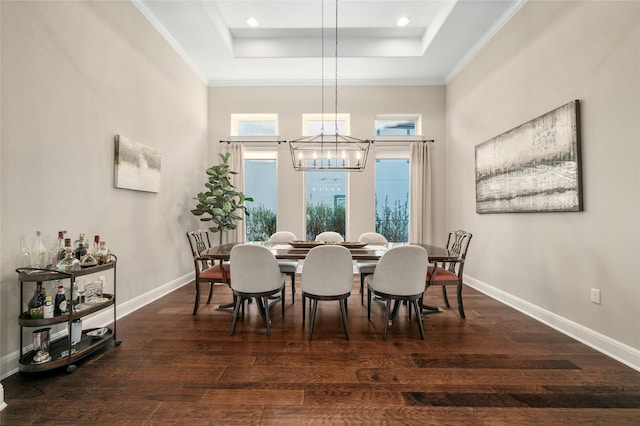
<point>335,116</point>
<point>322,66</point>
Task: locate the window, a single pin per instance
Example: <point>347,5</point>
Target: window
<point>260,183</point>
<point>254,124</point>
<point>392,197</point>
<point>260,174</point>
<point>326,190</point>
<point>398,125</point>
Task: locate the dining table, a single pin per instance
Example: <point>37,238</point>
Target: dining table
<point>299,249</point>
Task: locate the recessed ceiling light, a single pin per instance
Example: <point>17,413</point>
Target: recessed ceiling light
<point>403,21</point>
<point>253,22</point>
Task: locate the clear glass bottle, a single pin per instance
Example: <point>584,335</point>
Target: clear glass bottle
<point>38,253</point>
<point>69,263</point>
<point>67,243</point>
<point>58,249</point>
<point>103,255</point>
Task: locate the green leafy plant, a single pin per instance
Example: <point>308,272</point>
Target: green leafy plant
<point>393,222</point>
<point>221,202</point>
<point>323,217</point>
<point>261,224</point>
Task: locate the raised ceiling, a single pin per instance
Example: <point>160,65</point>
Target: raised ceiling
<point>214,38</point>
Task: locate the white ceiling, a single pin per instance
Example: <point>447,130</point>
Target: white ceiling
<point>214,38</point>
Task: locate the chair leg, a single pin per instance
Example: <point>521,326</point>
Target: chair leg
<point>210,293</point>
<point>282,296</point>
<point>239,301</point>
<point>195,306</point>
<point>387,314</point>
<point>293,288</point>
<point>444,296</point>
<point>460,307</point>
<point>314,303</point>
<point>304,309</point>
<point>418,317</point>
<point>343,309</point>
<point>368,304</point>
<point>362,289</point>
<point>266,316</point>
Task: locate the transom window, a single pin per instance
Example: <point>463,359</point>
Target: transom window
<point>398,125</point>
<point>254,124</point>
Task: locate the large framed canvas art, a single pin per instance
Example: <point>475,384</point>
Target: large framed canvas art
<point>534,167</point>
<point>137,166</point>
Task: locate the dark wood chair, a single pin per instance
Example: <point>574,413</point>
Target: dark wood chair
<point>399,277</point>
<point>450,273</point>
<point>206,271</point>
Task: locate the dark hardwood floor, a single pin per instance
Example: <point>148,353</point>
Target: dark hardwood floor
<point>497,367</point>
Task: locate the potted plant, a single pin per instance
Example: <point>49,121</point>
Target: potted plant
<point>221,203</point>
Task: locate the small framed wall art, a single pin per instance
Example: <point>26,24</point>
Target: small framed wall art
<point>137,166</point>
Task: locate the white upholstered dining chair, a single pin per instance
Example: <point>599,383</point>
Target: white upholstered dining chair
<point>256,275</point>
<point>329,237</point>
<point>288,267</point>
<point>327,275</point>
<point>366,267</point>
<point>399,276</point>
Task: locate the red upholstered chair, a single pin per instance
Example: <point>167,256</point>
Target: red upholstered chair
<point>450,273</point>
<point>206,270</point>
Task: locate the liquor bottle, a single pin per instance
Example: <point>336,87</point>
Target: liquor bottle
<point>67,243</point>
<point>38,253</point>
<point>36,304</point>
<point>96,243</point>
<point>80,247</point>
<point>103,255</point>
<point>58,249</point>
<point>60,306</point>
<point>48,308</point>
<point>69,263</point>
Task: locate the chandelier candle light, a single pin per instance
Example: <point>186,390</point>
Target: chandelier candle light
<point>329,152</point>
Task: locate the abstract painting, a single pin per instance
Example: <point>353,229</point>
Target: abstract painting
<point>137,166</point>
<point>534,167</point>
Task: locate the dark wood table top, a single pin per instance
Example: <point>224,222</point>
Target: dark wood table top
<point>372,252</point>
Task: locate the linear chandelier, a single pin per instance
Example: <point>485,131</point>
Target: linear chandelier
<point>329,152</point>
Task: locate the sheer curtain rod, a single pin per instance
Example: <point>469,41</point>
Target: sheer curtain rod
<point>373,141</point>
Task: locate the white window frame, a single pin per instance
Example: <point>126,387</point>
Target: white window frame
<point>235,120</point>
<point>417,118</point>
<point>331,117</point>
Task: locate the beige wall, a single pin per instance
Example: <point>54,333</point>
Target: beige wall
<point>363,103</point>
<point>74,74</point>
<point>549,54</point>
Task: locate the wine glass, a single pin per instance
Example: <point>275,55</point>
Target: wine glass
<point>81,290</point>
<point>25,248</point>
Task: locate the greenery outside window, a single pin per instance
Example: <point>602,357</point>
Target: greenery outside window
<point>392,196</point>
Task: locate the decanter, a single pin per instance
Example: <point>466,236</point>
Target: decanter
<point>69,263</point>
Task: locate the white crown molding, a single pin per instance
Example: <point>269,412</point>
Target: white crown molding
<point>506,17</point>
<point>341,83</point>
<point>612,348</point>
<point>172,42</point>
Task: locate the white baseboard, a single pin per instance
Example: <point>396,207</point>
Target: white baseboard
<point>612,348</point>
<point>9,363</point>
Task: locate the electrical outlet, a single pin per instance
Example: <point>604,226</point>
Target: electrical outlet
<point>595,296</point>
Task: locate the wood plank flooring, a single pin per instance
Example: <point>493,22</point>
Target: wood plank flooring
<point>497,367</point>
